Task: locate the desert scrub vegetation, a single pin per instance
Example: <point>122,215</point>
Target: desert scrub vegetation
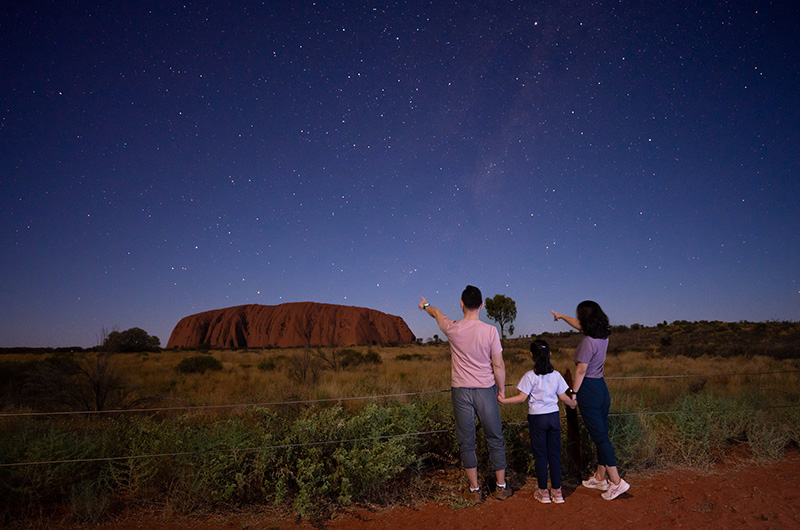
<point>355,447</point>
<point>309,458</point>
<point>199,364</point>
<point>313,458</point>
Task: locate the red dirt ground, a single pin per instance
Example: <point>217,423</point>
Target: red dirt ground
<point>735,494</point>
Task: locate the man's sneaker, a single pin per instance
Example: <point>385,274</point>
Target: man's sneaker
<point>596,484</point>
<point>616,490</point>
<point>473,497</point>
<point>502,494</point>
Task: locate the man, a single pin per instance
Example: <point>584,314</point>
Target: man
<point>477,378</point>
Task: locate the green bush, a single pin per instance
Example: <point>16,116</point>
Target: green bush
<point>199,364</point>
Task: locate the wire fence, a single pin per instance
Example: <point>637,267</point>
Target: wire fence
<point>344,399</point>
<point>348,440</point>
<point>351,440</point>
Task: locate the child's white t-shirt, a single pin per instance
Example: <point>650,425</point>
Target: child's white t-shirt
<point>543,391</point>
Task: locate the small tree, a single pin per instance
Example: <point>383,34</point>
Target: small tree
<point>91,383</point>
<point>502,310</point>
<point>130,340</point>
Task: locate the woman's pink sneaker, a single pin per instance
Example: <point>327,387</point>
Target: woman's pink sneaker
<point>616,490</point>
<point>596,484</point>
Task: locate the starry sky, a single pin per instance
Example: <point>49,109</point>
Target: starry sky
<point>161,159</point>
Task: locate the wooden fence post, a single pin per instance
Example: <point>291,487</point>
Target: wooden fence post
<point>574,465</point>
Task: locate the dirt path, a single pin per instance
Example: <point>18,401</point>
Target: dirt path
<point>735,494</point>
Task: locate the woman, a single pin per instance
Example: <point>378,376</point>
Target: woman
<point>592,393</point>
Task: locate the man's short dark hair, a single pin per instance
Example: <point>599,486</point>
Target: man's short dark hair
<point>472,297</point>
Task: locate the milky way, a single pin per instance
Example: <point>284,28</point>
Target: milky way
<point>162,161</point>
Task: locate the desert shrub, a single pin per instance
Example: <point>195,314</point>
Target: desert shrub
<point>279,456</point>
<point>703,426</point>
<point>349,358</point>
<point>372,357</point>
<point>409,357</point>
<point>92,383</point>
<point>227,461</point>
<point>305,368</point>
<point>267,365</point>
<point>23,488</point>
<point>518,446</point>
<point>229,471</point>
<point>790,417</point>
<point>766,438</point>
<point>697,385</point>
<point>89,500</point>
<point>634,442</point>
<point>143,436</point>
<point>336,473</point>
<point>199,364</point>
<point>15,375</point>
<point>516,355</point>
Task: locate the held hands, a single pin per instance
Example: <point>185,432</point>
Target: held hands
<point>572,399</point>
<point>569,400</point>
<point>501,396</point>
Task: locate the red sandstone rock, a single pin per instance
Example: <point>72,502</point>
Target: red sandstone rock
<point>289,325</point>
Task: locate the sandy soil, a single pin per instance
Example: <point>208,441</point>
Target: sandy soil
<point>735,494</point>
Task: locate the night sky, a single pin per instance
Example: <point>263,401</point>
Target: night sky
<point>161,159</point>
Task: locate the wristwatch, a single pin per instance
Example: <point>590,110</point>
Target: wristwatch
<point>426,304</point>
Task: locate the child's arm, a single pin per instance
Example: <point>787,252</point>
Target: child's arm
<point>571,401</point>
<point>519,398</point>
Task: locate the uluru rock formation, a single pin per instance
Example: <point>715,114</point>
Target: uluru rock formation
<point>289,325</point>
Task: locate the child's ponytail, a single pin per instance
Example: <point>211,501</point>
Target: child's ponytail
<point>540,352</point>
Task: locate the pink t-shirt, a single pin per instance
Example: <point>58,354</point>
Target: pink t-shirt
<point>472,344</point>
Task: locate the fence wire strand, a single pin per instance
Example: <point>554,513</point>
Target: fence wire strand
<point>353,440</point>
<point>340,399</point>
<point>349,440</point>
<point>233,450</point>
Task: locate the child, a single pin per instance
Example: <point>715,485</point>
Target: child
<point>542,387</point>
